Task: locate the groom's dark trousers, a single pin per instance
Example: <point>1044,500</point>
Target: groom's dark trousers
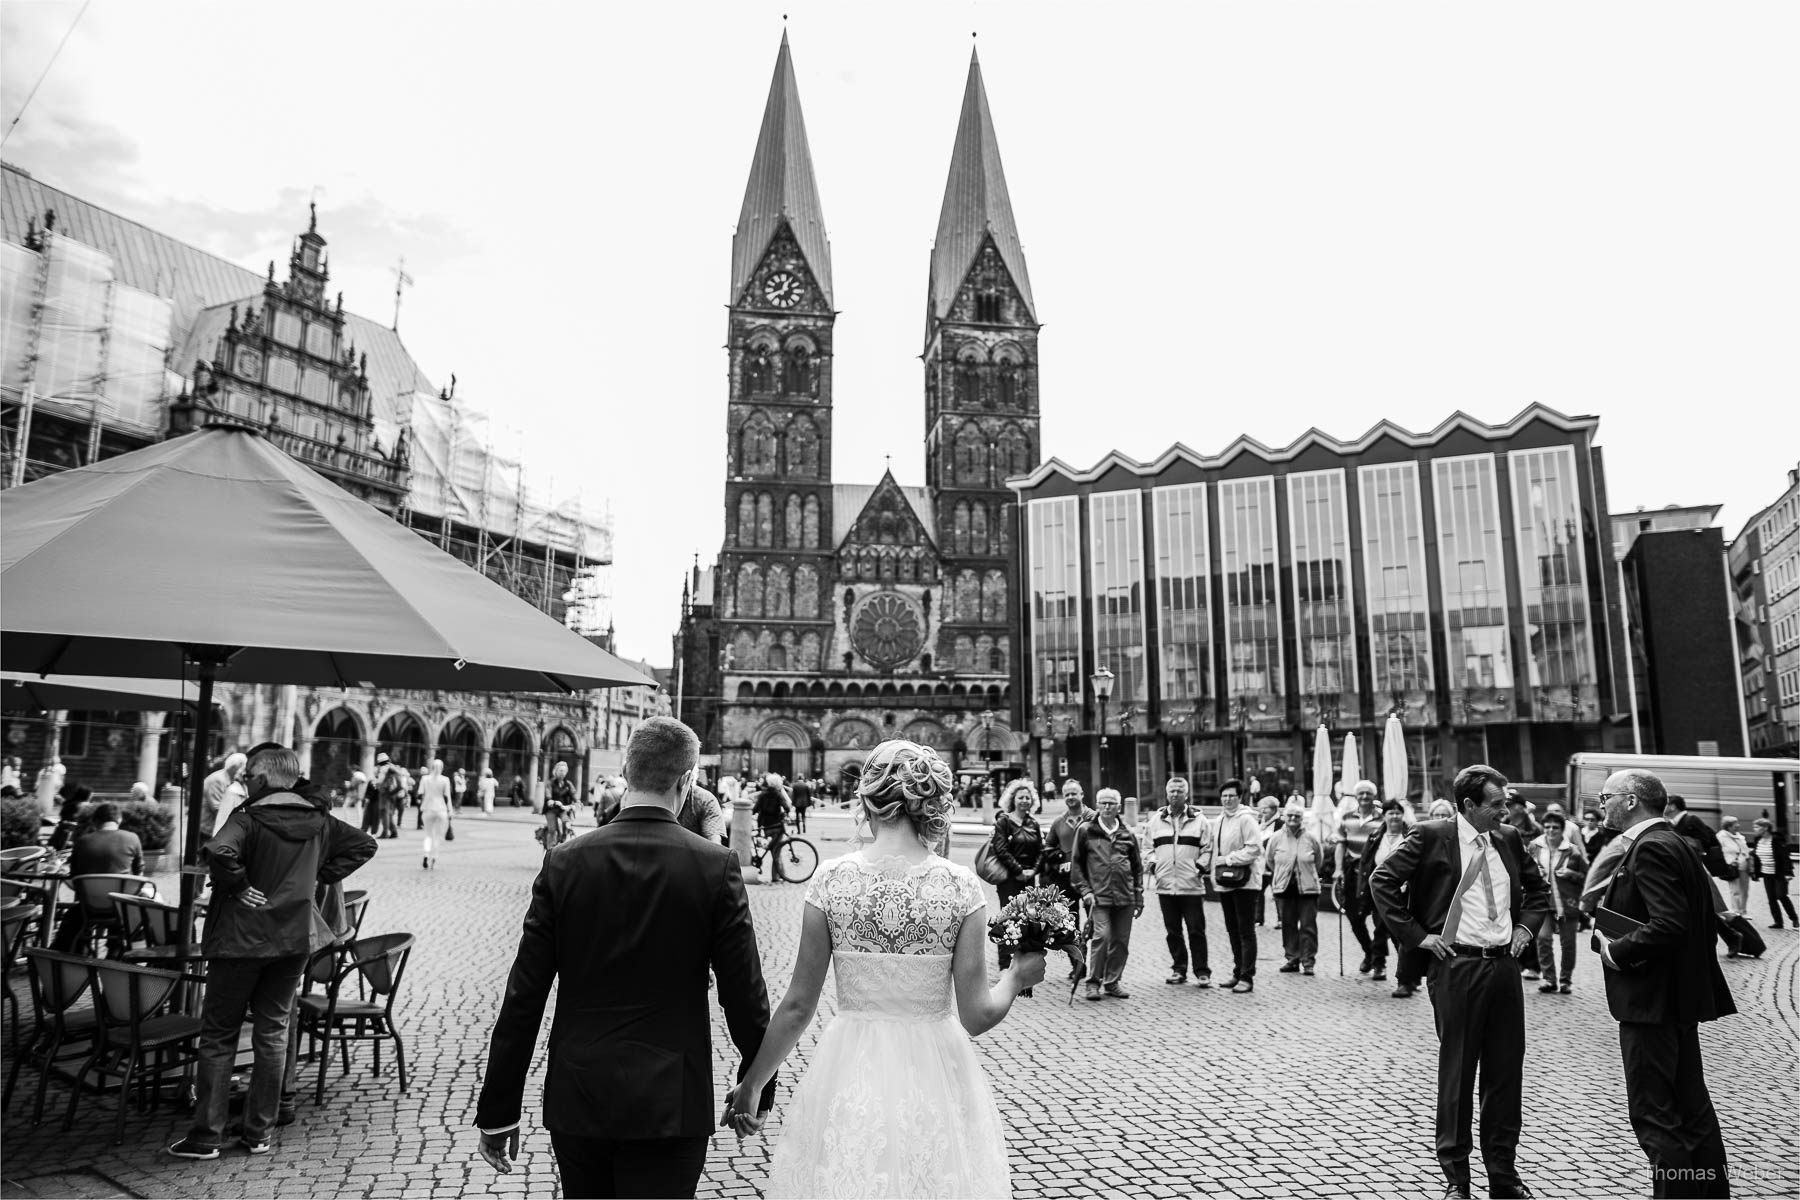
<point>627,920</point>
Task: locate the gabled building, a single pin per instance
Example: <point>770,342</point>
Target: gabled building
<point>839,614</point>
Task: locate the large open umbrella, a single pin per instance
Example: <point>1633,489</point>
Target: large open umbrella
<point>217,556</point>
<point>20,692</point>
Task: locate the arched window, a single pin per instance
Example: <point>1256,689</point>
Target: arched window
<point>887,568</point>
<point>746,522</point>
<point>1003,652</point>
<point>759,370</point>
<point>968,384</point>
<point>965,653</point>
<point>1014,451</point>
<point>750,594</point>
<point>765,519</point>
<point>765,646</point>
<point>778,657</point>
<point>779,602</point>
<point>959,528</point>
<point>806,595</point>
<point>797,374</point>
<point>978,529</point>
<point>868,565</point>
<point>803,448</point>
<point>809,520</point>
<point>756,454</point>
<point>967,604</point>
<point>743,653</point>
<point>971,455</point>
<point>984,653</point>
<point>1009,385</point>
<point>993,597</point>
<point>809,653</point>
<point>793,534</point>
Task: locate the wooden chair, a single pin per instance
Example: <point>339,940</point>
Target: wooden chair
<point>57,981</point>
<point>380,963</point>
<point>136,1038</point>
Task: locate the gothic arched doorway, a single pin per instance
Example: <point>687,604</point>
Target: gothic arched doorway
<point>402,739</point>
<point>510,756</point>
<point>336,749</point>
<point>460,746</point>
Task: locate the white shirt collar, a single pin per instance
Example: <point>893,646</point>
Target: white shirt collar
<point>1632,833</point>
<point>1466,832</point>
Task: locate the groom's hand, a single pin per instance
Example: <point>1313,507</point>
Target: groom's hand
<point>499,1149</point>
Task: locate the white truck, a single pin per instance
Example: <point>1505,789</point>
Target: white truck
<point>1746,788</point>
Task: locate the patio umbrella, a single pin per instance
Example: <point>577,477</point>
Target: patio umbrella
<point>1352,771</point>
<point>1393,760</point>
<point>1321,764</point>
<point>28,693</point>
<point>218,557</point>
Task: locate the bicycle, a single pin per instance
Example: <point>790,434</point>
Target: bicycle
<point>795,863</point>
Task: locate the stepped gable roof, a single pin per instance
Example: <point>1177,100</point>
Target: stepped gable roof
<point>194,281</point>
<point>1312,437</point>
<point>781,187</point>
<point>976,205</point>
<point>849,500</point>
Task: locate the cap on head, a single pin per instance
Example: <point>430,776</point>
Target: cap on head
<point>380,759</point>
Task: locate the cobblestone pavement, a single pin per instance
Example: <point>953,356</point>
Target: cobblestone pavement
<point>1319,1086</point>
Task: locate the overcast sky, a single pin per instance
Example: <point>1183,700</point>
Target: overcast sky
<point>1244,219</point>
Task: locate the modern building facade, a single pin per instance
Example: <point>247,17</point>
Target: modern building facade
<point>1765,574</point>
<point>1678,617</point>
<point>1461,578</point>
<point>840,614</point>
<point>1627,526</point>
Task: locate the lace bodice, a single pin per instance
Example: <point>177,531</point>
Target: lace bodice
<point>890,906</point>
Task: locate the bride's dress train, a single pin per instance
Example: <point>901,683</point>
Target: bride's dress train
<point>895,1102</point>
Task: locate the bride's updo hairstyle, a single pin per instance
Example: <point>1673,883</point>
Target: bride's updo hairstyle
<point>905,779</point>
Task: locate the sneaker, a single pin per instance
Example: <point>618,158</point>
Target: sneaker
<point>260,1145</point>
<point>1204,980</point>
<point>1117,992</point>
<point>1244,985</point>
<point>1404,990</point>
<point>1093,991</point>
<point>1531,975</point>
<point>1289,968</point>
<point>187,1147</point>
<point>1306,970</point>
<point>1566,988</point>
<point>1547,986</point>
<point>1176,977</point>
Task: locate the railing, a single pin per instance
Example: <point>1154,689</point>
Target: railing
<point>340,460</point>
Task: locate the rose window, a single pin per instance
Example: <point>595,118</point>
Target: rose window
<point>888,630</point>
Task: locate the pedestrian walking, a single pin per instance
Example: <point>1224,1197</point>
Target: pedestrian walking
<point>1564,867</point>
<point>266,863</point>
<point>1409,967</point>
<point>1017,844</point>
<point>1662,980</point>
<point>435,799</point>
<point>1465,891</point>
<point>516,795</point>
<point>803,799</point>
<point>1181,849</point>
<point>1107,871</point>
<point>1237,877</point>
<point>1053,865</point>
<point>1735,848</point>
<point>374,807</point>
<point>1355,829</point>
<point>485,788</point>
<point>1295,857</point>
<point>222,792</point>
<point>1773,862</point>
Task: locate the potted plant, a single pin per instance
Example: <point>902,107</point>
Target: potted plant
<point>154,824</point>
<point>20,820</point>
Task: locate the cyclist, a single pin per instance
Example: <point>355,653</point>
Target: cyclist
<point>772,807</point>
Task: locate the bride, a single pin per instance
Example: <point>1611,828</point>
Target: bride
<point>895,1103</point>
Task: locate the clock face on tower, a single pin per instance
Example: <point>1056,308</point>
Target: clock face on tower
<point>783,289</point>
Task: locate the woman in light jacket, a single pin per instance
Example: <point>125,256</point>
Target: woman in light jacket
<point>1295,856</point>
<point>1238,845</point>
<point>1564,864</point>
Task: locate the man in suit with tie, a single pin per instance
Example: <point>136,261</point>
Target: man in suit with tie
<point>1662,979</point>
<point>629,917</point>
<point>1465,892</point>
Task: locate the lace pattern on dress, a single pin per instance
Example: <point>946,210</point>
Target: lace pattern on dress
<point>891,906</point>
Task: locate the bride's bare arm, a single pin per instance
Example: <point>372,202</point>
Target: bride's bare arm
<point>795,1012</point>
<point>979,1006</point>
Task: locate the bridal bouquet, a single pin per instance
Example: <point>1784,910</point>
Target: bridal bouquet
<point>1034,921</point>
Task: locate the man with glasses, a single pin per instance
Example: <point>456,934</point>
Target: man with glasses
<point>1464,891</point>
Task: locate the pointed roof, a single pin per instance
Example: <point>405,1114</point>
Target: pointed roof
<point>781,187</point>
<point>976,205</point>
<point>850,500</point>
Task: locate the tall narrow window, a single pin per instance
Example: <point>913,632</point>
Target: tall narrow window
<point>793,532</point>
<point>1184,607</point>
<point>1474,580</point>
<point>1396,597</point>
<point>1250,564</point>
<point>1319,530</point>
<point>765,520</point>
<point>1053,566</point>
<point>809,516</point>
<point>1547,527</point>
<point>1116,561</point>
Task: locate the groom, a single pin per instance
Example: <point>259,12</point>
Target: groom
<point>630,917</point>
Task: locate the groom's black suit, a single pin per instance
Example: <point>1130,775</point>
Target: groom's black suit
<point>629,918</point>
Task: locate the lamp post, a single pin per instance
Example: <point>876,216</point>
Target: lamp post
<point>987,762</point>
<point>1103,683</point>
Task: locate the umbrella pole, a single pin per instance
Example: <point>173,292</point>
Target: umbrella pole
<point>190,853</point>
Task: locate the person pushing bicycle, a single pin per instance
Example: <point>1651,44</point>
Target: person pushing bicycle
<point>772,808</point>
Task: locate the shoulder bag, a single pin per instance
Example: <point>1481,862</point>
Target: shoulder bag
<point>987,865</point>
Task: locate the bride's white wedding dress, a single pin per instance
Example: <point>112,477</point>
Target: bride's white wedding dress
<point>895,1102</point>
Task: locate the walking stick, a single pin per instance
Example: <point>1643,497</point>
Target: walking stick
<point>1339,905</point>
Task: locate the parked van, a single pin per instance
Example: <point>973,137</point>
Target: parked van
<point>1746,788</point>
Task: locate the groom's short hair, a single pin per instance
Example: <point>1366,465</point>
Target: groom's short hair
<point>660,752</point>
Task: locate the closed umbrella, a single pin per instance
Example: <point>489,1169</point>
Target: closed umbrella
<point>244,565</point>
<point>1352,771</point>
<point>1393,760</point>
<point>1321,764</point>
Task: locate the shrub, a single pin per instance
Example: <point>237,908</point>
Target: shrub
<point>20,818</point>
<point>153,823</point>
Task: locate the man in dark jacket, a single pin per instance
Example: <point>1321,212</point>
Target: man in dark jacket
<point>625,921</point>
<point>1107,871</point>
<point>267,861</point>
<point>1662,979</point>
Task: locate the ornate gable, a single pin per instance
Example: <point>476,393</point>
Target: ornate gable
<point>888,518</point>
<point>783,281</point>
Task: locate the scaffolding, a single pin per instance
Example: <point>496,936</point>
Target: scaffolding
<point>471,495</point>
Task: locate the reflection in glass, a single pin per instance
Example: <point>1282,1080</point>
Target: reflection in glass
<point>1319,527</point>
<point>1396,593</point>
<point>1115,523</point>
<point>1053,554</point>
<point>1249,559</point>
<point>1474,574</point>
<point>1185,616</point>
<point>1559,649</point>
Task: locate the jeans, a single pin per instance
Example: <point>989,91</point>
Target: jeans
<point>1240,928</point>
<point>1356,908</point>
<point>1738,892</point>
<point>265,989</point>
<point>1557,928</point>
<point>1777,892</point>
<point>1185,914</point>
<point>1299,925</point>
<point>1111,943</point>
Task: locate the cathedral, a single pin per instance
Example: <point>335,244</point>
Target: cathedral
<point>841,614</point>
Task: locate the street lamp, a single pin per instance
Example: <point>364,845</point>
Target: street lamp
<point>1103,682</point>
<point>987,752</point>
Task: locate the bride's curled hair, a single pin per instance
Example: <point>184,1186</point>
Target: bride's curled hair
<point>905,779</point>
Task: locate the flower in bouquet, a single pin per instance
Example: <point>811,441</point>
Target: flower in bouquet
<point>1034,921</point>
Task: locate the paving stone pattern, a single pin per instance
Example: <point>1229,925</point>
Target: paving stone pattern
<point>1319,1086</point>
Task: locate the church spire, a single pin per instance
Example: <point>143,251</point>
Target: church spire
<point>781,187</point>
<point>976,205</point>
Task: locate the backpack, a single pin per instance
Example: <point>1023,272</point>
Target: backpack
<point>391,788</point>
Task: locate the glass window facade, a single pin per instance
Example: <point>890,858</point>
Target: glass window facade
<point>1116,546</point>
<point>1474,583</point>
<point>1249,559</point>
<point>1396,595</point>
<point>1184,609</point>
<point>1325,644</point>
<point>1053,534</point>
<point>1547,528</point>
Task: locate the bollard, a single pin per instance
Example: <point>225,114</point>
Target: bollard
<point>743,833</point>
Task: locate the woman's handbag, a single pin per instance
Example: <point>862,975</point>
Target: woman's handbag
<point>449,831</point>
<point>988,865</point>
<point>1232,875</point>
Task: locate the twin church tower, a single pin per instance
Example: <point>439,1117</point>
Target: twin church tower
<point>839,614</point>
